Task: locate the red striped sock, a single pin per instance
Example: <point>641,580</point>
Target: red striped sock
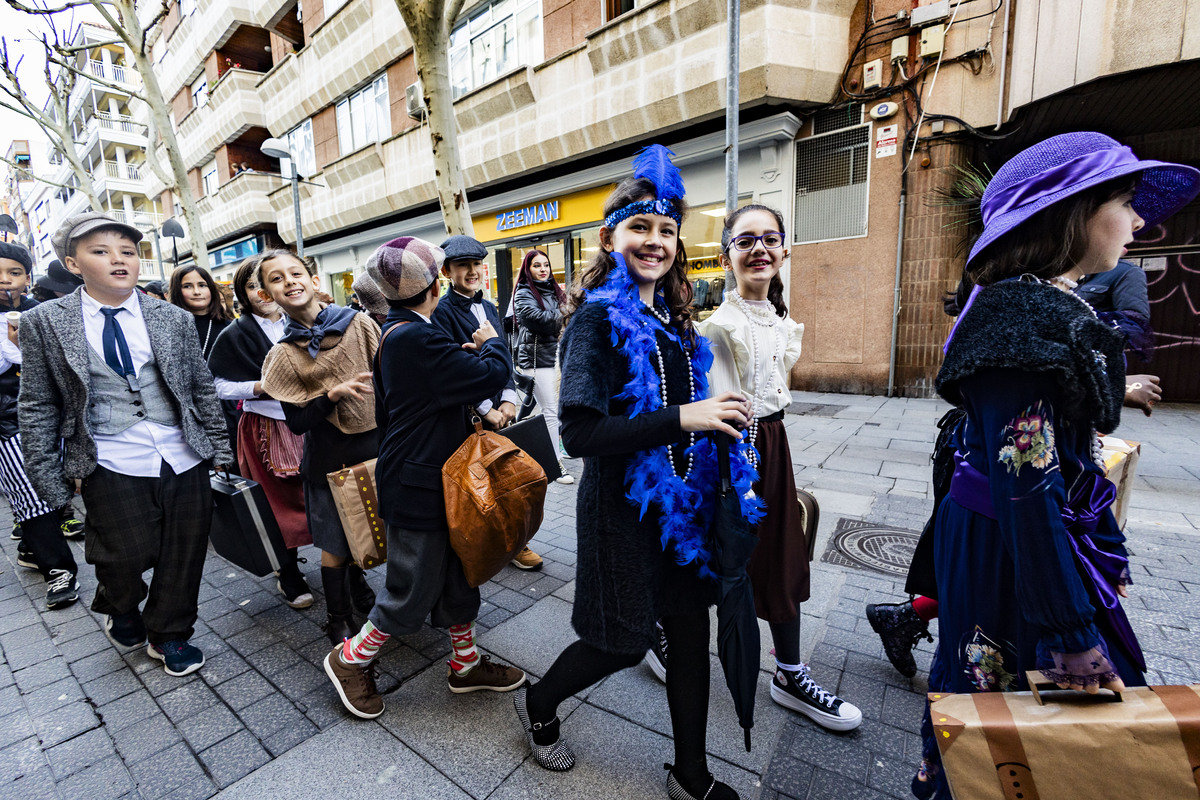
<point>462,639</point>
<point>364,646</point>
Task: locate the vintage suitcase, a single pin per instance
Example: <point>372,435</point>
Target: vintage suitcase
<point>532,436</point>
<point>244,531</point>
<point>1066,745</point>
<point>1121,460</point>
<point>810,516</point>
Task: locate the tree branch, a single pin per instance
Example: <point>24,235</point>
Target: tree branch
<point>47,11</point>
<point>26,171</point>
<point>88,74</point>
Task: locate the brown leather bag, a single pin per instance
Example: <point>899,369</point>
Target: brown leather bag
<point>495,499</point>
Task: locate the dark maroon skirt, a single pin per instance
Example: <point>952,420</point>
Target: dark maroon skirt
<point>779,566</point>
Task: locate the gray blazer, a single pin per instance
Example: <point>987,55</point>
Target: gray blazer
<point>54,391</point>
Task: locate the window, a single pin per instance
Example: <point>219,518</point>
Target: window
<point>208,177</point>
<point>186,7</point>
<point>615,8</point>
<point>364,117</point>
<point>300,143</point>
<point>831,184</point>
<point>495,39</point>
<point>200,92</point>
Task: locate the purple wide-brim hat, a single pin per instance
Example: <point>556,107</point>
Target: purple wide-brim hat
<point>1071,163</point>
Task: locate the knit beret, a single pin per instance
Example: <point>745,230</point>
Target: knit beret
<point>17,252</point>
<point>404,267</point>
<point>369,295</point>
<point>460,246</point>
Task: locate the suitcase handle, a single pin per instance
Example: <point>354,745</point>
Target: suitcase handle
<point>1039,683</point>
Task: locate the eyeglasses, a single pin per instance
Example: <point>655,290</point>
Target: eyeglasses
<point>771,241</point>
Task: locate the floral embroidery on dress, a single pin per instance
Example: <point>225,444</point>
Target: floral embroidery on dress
<point>1030,440</point>
<point>984,664</point>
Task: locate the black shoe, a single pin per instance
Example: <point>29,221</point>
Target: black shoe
<point>799,692</point>
<point>362,596</point>
<point>16,532</point>
<point>25,557</point>
<point>291,583</point>
<point>62,589</point>
<point>179,658</point>
<point>339,628</point>
<point>125,630</point>
<point>553,754</point>
<point>656,656</point>
<point>339,624</point>
<point>713,789</point>
<point>900,629</point>
<point>71,527</point>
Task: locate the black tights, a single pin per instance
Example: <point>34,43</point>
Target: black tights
<point>582,665</point>
<point>786,636</point>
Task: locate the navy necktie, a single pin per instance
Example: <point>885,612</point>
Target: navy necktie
<point>114,342</point>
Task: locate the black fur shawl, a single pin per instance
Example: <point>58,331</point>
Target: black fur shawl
<point>1028,325</point>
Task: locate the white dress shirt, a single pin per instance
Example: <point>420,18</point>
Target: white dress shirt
<point>508,395</point>
<point>9,353</point>
<point>140,449</point>
<point>244,390</point>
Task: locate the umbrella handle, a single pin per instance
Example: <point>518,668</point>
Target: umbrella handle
<point>747,732</point>
<point>723,442</point>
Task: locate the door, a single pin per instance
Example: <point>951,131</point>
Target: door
<point>1173,285</point>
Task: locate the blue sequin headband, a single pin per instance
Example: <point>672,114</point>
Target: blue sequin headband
<point>663,208</point>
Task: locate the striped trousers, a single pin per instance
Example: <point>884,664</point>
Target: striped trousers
<point>40,530</point>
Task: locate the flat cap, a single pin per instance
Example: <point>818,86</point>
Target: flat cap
<point>460,246</point>
<point>81,225</point>
<point>404,267</point>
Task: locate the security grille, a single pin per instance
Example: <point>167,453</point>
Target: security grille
<point>834,119</point>
<point>831,185</point>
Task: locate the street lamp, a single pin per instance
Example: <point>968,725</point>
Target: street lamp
<point>278,148</point>
<point>8,226</point>
<point>174,231</point>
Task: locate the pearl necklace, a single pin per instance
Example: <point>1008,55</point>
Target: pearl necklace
<point>764,373</point>
<point>664,316</point>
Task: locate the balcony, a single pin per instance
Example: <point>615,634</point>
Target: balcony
<point>142,220</point>
<point>198,34</point>
<point>148,270</point>
<point>240,204</point>
<point>115,128</point>
<point>117,177</point>
<point>233,107</point>
<point>115,73</point>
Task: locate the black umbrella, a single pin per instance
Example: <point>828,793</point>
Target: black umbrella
<point>737,624</point>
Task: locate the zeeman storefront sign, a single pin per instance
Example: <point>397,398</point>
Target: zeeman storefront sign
<point>574,210</point>
<point>522,217</point>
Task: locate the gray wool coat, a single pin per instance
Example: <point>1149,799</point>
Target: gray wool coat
<point>55,386</point>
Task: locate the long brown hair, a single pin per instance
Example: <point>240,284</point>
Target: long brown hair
<point>676,290</point>
<point>216,307</point>
<point>775,289</point>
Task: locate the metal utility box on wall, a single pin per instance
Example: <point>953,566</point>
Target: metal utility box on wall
<point>930,12</point>
<point>933,39</point>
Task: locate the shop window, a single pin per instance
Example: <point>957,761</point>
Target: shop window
<point>832,185</point>
<point>208,177</point>
<point>364,117</point>
<point>494,39</point>
<point>300,144</point>
<point>200,93</point>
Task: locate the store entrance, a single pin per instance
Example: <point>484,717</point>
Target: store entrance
<point>506,257</point>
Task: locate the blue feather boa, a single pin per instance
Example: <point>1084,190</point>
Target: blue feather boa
<point>686,508</point>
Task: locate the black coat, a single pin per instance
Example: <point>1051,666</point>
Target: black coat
<point>624,578</point>
<point>423,380</point>
<point>538,328</point>
<point>454,318</point>
<point>10,382</point>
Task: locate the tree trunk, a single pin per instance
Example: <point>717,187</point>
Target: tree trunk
<point>429,23</point>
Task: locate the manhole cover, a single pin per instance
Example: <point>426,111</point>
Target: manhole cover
<point>871,546</point>
<point>815,409</point>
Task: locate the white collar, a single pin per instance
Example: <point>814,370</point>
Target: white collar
<point>92,306</point>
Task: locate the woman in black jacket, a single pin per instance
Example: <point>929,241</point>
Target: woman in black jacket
<point>538,301</point>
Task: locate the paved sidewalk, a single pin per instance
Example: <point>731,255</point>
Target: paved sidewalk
<point>78,720</point>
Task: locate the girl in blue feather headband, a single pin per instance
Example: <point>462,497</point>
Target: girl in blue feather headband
<point>634,405</point>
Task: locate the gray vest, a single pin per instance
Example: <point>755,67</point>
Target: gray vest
<point>113,406</point>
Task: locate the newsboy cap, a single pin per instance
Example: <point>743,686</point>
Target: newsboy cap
<point>460,246</point>
<point>405,267</point>
<point>81,225</point>
<point>15,251</point>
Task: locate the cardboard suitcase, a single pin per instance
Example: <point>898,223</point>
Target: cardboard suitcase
<point>244,531</point>
<point>1143,743</point>
<point>1121,460</point>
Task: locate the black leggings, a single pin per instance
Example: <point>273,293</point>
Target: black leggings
<point>581,665</point>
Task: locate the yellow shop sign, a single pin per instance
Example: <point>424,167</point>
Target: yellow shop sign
<point>573,210</point>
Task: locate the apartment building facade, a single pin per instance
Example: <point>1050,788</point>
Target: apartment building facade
<point>552,98</point>
<point>111,142</point>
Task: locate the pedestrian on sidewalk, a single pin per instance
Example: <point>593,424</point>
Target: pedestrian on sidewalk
<point>118,379</point>
<point>538,318</point>
<point>634,379</point>
<point>1029,561</point>
<point>462,310</point>
<point>268,452</point>
<point>424,380</point>
<point>320,372</point>
<point>755,344</point>
<point>35,523</point>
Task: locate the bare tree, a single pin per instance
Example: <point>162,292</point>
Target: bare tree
<point>121,16</point>
<point>54,118</point>
<point>429,22</point>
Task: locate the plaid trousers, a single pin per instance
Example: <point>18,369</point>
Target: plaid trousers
<point>134,524</point>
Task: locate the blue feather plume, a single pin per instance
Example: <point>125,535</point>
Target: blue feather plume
<point>654,164</point>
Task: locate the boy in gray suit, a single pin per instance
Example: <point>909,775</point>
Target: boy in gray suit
<point>118,378</point>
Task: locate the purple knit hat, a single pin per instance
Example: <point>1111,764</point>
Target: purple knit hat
<point>1071,163</point>
<point>404,267</point>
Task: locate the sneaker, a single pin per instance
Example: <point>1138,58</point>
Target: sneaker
<point>527,559</point>
<point>565,479</point>
<point>900,629</point>
<point>487,675</point>
<point>799,692</point>
<point>355,685</point>
<point>555,755</point>
<point>125,630</point>
<point>179,658</point>
<point>656,656</point>
<point>62,589</point>
<point>25,557</point>
<point>16,532</point>
<point>71,527</point>
<point>294,589</point>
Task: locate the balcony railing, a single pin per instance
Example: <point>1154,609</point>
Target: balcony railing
<point>123,172</point>
<point>118,122</point>
<point>114,73</point>
<point>148,269</point>
<point>138,219</point>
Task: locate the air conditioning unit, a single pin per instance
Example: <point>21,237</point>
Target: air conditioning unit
<point>414,101</point>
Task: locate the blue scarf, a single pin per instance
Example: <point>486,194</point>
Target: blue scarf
<point>331,319</point>
<point>686,508</point>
